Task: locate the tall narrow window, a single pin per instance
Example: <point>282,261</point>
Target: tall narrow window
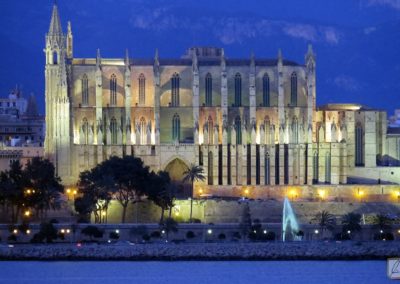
<point>327,167</point>
<point>142,88</point>
<point>85,90</point>
<point>293,89</point>
<point>208,90</point>
<point>55,58</point>
<point>113,90</point>
<point>143,131</point>
<point>210,126</point>
<point>113,130</point>
<point>85,130</point>
<point>315,167</point>
<point>359,145</point>
<point>295,131</point>
<point>238,129</point>
<point>238,90</point>
<point>176,128</point>
<point>210,175</point>
<point>267,174</point>
<point>266,98</point>
<point>175,90</point>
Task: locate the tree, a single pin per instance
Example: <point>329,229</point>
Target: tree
<point>92,232</point>
<point>45,185</point>
<point>192,174</point>
<point>325,220</point>
<point>159,191</point>
<point>169,225</point>
<point>47,232</point>
<point>351,223</point>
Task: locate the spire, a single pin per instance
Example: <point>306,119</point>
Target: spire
<point>55,23</point>
<point>98,59</point>
<point>127,58</point>
<point>280,58</point>
<point>310,58</point>
<point>252,60</point>
<point>156,58</point>
<point>69,41</point>
<point>223,62</point>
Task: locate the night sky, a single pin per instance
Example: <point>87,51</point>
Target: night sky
<point>357,42</point>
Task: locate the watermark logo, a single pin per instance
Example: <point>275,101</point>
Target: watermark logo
<point>393,268</point>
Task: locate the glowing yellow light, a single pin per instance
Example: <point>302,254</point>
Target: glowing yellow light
<point>62,231</point>
<point>15,231</point>
<point>176,213</point>
<point>28,191</point>
<point>360,193</point>
<point>28,232</point>
<point>68,191</point>
<point>396,193</point>
<point>27,213</point>
<point>103,213</point>
<point>200,191</point>
<point>246,191</point>
<point>75,192</point>
<point>321,193</point>
<point>68,231</point>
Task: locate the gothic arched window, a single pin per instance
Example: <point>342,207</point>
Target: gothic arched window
<point>359,145</point>
<point>143,134</point>
<point>315,167</point>
<point>113,130</point>
<point>175,90</point>
<point>142,88</point>
<point>238,129</point>
<point>176,127</point>
<point>113,90</point>
<point>210,126</point>
<point>208,90</point>
<point>293,89</point>
<point>85,130</point>
<point>210,176</point>
<point>327,167</point>
<point>85,90</point>
<point>238,90</point>
<point>266,96</point>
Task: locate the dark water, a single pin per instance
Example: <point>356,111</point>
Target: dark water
<point>360,272</point>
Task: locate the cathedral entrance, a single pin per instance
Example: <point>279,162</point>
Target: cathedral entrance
<point>176,169</point>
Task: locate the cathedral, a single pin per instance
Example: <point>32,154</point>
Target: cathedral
<point>247,122</point>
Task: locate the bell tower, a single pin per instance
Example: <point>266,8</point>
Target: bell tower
<point>58,129</point>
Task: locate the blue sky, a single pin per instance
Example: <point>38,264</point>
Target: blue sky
<point>357,42</point>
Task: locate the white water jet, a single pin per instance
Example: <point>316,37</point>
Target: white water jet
<point>290,226</point>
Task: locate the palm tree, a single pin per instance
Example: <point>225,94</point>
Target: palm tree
<point>381,222</point>
<point>351,222</point>
<point>192,174</point>
<point>325,220</point>
<point>169,225</point>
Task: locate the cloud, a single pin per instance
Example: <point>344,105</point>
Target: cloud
<point>230,30</point>
<point>395,4</point>
<point>346,83</point>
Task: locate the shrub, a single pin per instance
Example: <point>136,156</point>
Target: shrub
<point>47,232</point>
<point>221,236</point>
<point>195,220</point>
<point>92,232</point>
<point>113,235</point>
<point>236,235</point>
<point>384,237</point>
<point>155,235</point>
<point>270,236</point>
<point>12,238</point>
<point>146,237</point>
<point>190,235</point>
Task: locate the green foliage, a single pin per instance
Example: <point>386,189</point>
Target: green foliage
<point>381,222</point>
<point>92,232</point>
<point>193,173</point>
<point>325,220</point>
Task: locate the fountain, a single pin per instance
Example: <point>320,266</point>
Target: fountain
<point>290,226</point>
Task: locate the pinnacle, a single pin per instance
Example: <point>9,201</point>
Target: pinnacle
<point>55,23</point>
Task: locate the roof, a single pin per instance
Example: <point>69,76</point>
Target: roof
<point>55,23</point>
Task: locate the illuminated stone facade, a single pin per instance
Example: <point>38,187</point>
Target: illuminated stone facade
<point>250,122</point>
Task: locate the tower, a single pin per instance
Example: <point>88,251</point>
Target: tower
<point>58,135</point>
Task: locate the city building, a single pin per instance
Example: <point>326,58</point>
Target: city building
<point>249,122</point>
